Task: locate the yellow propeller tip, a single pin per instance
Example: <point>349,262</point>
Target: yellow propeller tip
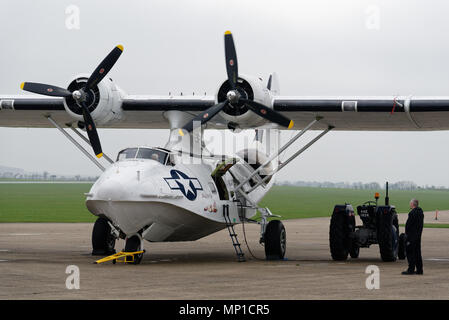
<point>120,47</point>
<point>22,85</point>
<point>290,125</point>
<point>228,32</point>
<point>181,133</point>
<point>99,155</point>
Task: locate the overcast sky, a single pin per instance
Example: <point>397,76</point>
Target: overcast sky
<point>316,47</point>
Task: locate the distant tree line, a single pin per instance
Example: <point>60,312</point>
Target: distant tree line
<point>400,185</point>
<point>45,176</point>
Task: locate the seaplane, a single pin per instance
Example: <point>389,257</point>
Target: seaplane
<point>181,191</point>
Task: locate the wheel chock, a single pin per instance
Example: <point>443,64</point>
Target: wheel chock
<point>120,257</point>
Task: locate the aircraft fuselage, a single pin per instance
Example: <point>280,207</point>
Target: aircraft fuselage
<point>164,201</point>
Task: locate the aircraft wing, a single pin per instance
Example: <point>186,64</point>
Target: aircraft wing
<point>139,112</point>
<point>343,113</point>
<point>21,111</point>
<point>368,113</point>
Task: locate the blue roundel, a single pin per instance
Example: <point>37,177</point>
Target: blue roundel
<point>182,182</point>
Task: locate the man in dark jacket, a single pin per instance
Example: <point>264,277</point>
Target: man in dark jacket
<point>413,232</point>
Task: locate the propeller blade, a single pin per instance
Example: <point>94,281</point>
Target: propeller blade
<point>45,89</point>
<point>104,67</point>
<point>268,113</point>
<point>204,116</point>
<point>91,131</point>
<point>231,59</point>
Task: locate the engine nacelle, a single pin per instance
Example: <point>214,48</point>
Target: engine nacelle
<point>251,88</point>
<point>104,101</point>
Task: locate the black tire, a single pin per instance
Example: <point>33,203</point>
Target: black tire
<point>339,241</point>
<point>275,239</point>
<point>134,244</point>
<point>387,237</point>
<point>402,246</point>
<point>354,250</point>
<point>103,242</point>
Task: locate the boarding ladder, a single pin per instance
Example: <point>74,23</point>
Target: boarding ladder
<point>233,235</point>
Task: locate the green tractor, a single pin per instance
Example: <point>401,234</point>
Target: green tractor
<point>380,226</point>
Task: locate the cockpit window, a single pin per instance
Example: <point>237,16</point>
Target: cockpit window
<point>157,155</point>
<point>127,154</point>
<point>143,153</point>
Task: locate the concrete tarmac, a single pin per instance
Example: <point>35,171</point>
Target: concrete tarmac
<point>34,258</point>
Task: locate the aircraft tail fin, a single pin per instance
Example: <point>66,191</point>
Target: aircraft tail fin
<point>273,84</point>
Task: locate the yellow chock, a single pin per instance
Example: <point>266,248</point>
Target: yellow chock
<point>120,257</point>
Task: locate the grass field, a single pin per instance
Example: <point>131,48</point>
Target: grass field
<point>433,225</point>
<point>44,202</point>
<point>303,202</point>
<point>65,202</point>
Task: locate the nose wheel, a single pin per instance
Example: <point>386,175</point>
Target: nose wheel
<point>134,244</point>
<point>132,254</point>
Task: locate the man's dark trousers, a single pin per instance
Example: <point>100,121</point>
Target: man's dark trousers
<point>414,256</point>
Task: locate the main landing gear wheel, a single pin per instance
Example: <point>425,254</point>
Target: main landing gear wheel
<point>133,244</point>
<point>103,241</point>
<point>275,239</point>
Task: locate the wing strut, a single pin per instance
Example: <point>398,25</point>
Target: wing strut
<point>297,153</point>
<point>276,155</point>
<point>79,134</point>
<point>79,146</point>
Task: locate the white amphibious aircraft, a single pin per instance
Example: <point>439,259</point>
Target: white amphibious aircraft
<point>182,192</point>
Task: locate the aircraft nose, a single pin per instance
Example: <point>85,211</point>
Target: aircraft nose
<point>109,189</point>
<point>124,183</point>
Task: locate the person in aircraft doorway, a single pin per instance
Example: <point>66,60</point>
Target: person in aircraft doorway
<point>413,232</point>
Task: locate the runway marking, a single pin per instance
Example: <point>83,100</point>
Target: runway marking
<point>162,260</point>
<point>437,259</point>
<point>3,260</point>
<point>25,234</point>
<point>4,250</point>
<point>29,234</point>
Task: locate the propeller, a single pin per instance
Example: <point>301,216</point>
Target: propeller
<point>204,116</point>
<point>236,96</point>
<point>268,113</point>
<point>81,95</point>
<point>231,60</point>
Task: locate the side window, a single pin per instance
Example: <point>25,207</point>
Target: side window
<point>212,187</point>
<point>171,161</point>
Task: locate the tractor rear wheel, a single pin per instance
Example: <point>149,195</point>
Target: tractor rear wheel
<point>338,237</point>
<point>387,238</point>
